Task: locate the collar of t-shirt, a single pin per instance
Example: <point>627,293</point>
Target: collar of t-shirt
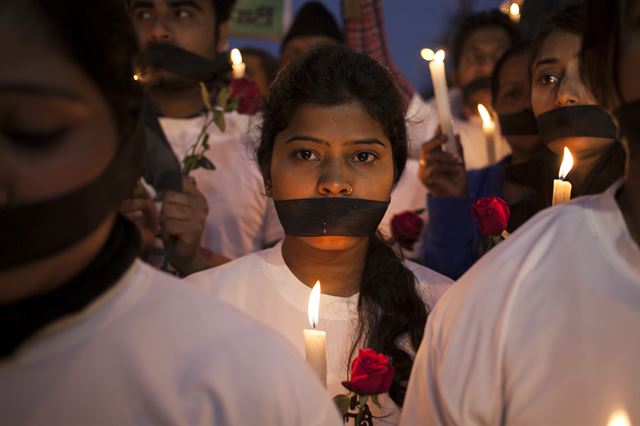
<point>21,320</point>
<point>297,293</point>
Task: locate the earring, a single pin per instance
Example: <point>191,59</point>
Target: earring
<point>267,188</point>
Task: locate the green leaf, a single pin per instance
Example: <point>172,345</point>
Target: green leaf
<point>363,400</point>
<point>188,164</point>
<point>205,163</point>
<point>206,96</point>
<point>223,97</point>
<point>218,118</point>
<point>342,402</point>
<point>374,399</point>
<point>232,105</point>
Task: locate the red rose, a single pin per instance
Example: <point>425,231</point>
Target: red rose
<point>492,215</point>
<point>406,228</point>
<point>247,94</point>
<point>371,373</point>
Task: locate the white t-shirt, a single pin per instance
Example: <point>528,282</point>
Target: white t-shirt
<point>422,122</point>
<point>544,329</point>
<point>409,194</point>
<point>262,286</point>
<point>242,219</point>
<point>154,351</point>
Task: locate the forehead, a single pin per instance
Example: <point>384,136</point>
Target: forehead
<point>515,68</point>
<point>560,45</point>
<point>491,37</point>
<point>204,5</point>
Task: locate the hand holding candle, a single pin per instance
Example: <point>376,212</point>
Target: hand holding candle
<point>443,104</point>
<point>315,340</point>
<point>489,129</point>
<point>562,188</point>
<point>237,65</point>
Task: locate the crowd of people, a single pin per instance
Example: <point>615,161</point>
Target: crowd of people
<point>164,219</point>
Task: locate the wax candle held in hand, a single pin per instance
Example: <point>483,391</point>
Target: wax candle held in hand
<point>562,188</point>
<point>237,65</point>
<point>489,130</point>
<point>443,104</point>
<point>314,339</point>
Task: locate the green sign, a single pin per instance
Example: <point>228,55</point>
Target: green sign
<point>259,18</point>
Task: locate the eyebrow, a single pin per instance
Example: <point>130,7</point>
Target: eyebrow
<point>38,89</point>
<point>546,61</point>
<point>370,141</point>
<point>182,3</point>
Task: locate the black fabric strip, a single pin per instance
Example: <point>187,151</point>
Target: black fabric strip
<point>318,217</point>
<point>21,320</point>
<point>576,121</point>
<point>476,85</point>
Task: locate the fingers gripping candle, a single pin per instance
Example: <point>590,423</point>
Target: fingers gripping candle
<point>315,340</point>
<point>443,104</point>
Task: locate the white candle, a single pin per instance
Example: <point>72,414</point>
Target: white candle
<point>489,129</point>
<point>443,104</point>
<point>315,340</point>
<point>562,188</point>
<point>514,12</point>
<point>237,65</point>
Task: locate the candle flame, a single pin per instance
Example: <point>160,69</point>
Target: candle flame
<point>236,57</point>
<point>619,418</point>
<point>136,77</point>
<point>567,164</point>
<point>427,54</point>
<point>484,114</point>
<point>514,12</point>
<point>314,305</point>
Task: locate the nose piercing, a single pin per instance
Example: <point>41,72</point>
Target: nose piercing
<point>349,190</point>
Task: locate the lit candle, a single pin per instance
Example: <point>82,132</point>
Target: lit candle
<point>237,65</point>
<point>514,12</point>
<point>315,340</point>
<point>562,188</point>
<point>619,418</point>
<point>443,105</point>
<point>489,129</point>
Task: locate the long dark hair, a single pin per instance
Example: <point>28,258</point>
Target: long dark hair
<point>389,305</point>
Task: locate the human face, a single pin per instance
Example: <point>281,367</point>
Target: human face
<point>189,24</point>
<point>513,96</point>
<point>556,82</point>
<point>335,151</point>
<point>256,73</point>
<point>56,135</point>
<point>301,45</point>
<point>479,54</point>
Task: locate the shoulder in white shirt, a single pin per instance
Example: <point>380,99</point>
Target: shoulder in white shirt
<point>262,285</point>
<point>156,351</point>
<point>242,219</point>
<point>542,330</point>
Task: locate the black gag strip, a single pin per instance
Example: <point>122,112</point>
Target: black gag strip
<point>476,85</point>
<point>628,117</point>
<point>318,217</point>
<point>164,56</point>
<point>36,230</point>
<point>576,121</point>
<point>518,124</point>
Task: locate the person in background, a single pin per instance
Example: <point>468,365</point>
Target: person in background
<point>478,42</point>
<point>232,214</point>
<point>90,335</point>
<point>313,26</point>
<point>261,67</point>
<point>543,330</point>
<point>333,144</point>
<point>452,240</point>
<point>557,89</point>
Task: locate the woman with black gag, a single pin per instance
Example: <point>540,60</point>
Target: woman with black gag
<point>333,144</point>
<point>567,112</point>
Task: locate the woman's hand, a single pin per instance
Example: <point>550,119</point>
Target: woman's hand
<point>443,174</point>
